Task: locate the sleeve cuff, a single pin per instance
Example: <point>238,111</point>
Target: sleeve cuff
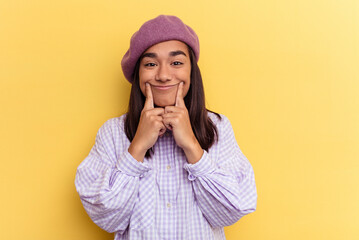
<point>130,166</point>
<point>204,166</point>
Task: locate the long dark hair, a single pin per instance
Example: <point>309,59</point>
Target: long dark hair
<point>203,127</point>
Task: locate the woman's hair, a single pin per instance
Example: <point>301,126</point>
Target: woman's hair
<point>202,126</point>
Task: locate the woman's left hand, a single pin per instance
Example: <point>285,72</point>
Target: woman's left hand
<point>176,118</point>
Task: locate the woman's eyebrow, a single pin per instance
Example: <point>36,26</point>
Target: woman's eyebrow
<point>178,52</point>
<point>150,55</point>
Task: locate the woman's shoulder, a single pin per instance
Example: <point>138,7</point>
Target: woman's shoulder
<point>217,118</point>
<point>114,123</point>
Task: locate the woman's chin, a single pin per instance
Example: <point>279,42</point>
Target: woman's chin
<point>164,102</point>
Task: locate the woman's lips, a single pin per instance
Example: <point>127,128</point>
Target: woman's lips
<point>164,87</point>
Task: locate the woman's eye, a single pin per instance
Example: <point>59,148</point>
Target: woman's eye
<point>177,63</point>
<point>150,64</point>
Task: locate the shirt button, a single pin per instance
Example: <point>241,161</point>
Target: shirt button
<point>168,205</point>
<point>191,177</point>
<point>168,167</point>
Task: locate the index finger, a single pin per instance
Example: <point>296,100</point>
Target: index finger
<point>149,97</point>
<point>179,96</point>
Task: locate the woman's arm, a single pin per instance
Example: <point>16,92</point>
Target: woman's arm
<point>225,188</point>
<point>108,186</point>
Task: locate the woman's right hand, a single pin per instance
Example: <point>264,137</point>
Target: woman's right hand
<point>149,128</point>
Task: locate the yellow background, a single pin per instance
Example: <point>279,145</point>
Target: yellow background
<point>286,74</point>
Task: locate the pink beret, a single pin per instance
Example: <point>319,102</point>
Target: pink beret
<point>159,29</point>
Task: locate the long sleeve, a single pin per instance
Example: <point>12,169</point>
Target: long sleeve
<point>108,179</point>
<point>223,182</point>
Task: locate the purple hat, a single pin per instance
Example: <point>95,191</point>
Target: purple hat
<point>160,29</point>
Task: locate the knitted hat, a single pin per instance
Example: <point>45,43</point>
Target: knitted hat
<point>160,29</point>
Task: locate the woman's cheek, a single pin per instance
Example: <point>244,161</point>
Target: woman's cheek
<point>186,89</point>
<point>143,89</point>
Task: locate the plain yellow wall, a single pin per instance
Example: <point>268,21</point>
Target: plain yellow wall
<point>286,73</point>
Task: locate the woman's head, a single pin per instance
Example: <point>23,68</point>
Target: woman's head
<point>161,53</point>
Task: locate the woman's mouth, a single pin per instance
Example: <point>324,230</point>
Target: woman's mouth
<point>159,87</point>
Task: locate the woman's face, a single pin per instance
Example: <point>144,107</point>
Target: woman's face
<point>164,66</point>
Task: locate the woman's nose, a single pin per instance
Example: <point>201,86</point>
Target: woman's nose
<point>163,74</point>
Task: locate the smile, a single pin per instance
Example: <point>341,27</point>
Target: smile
<point>164,87</point>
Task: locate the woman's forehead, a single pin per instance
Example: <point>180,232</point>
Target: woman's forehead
<point>168,48</point>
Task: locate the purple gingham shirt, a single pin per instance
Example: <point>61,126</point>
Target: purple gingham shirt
<point>165,197</point>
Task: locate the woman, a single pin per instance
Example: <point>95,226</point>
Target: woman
<point>168,168</point>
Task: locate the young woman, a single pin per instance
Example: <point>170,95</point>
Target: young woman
<point>168,168</point>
